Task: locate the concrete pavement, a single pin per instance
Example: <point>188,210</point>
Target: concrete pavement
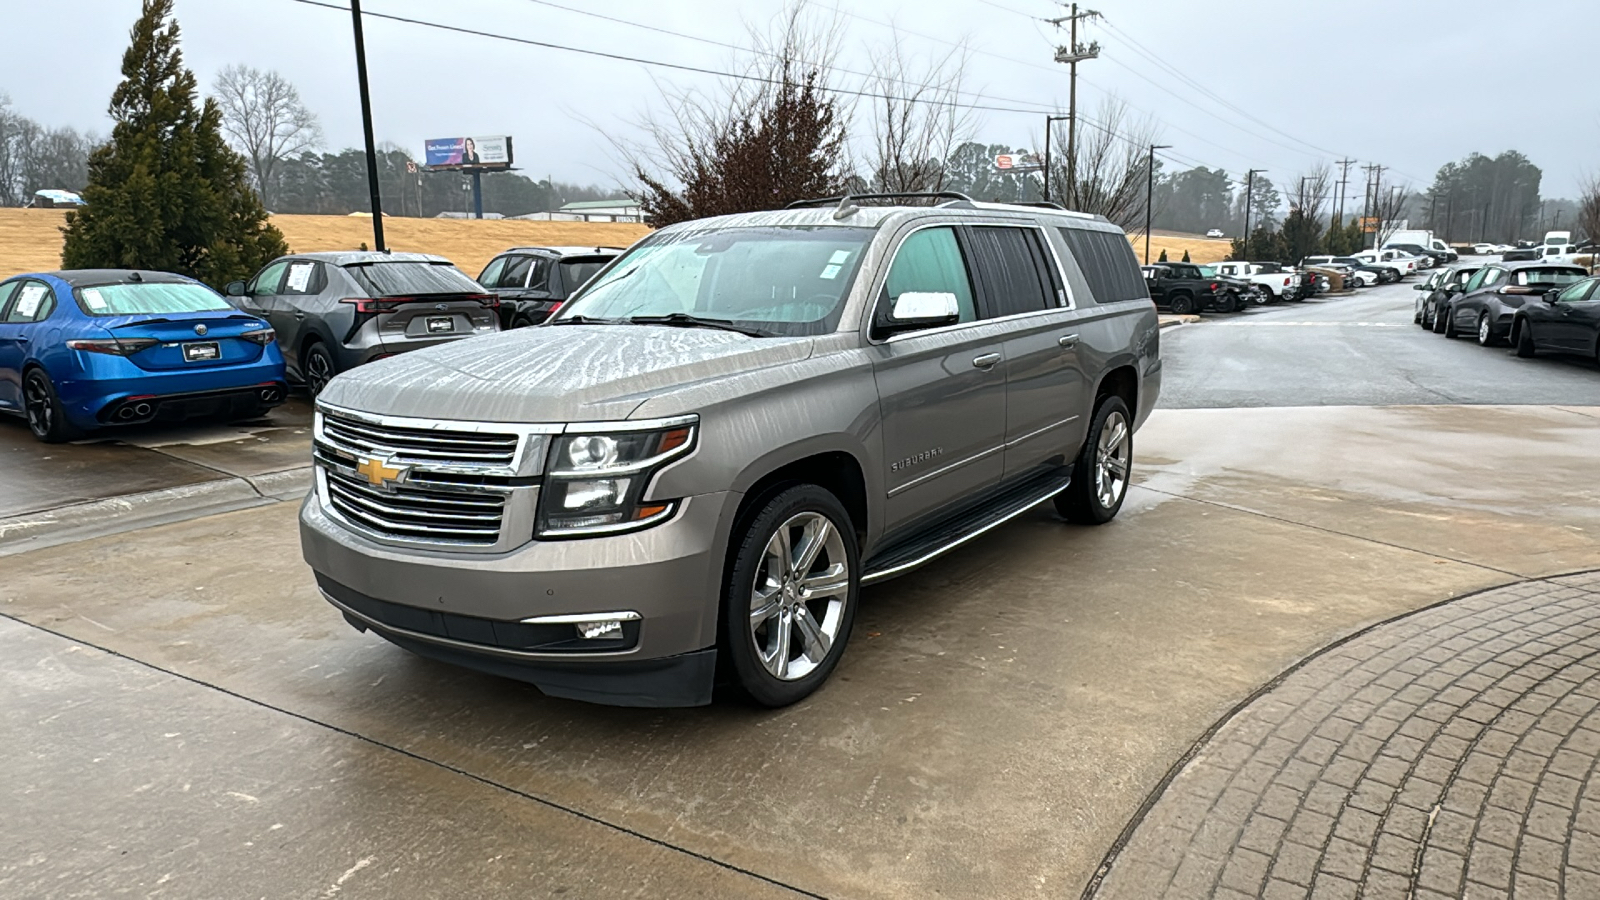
<point>1000,717</point>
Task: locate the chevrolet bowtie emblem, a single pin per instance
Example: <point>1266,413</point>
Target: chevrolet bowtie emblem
<point>378,472</point>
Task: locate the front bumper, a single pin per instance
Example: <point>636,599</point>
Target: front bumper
<point>465,607</point>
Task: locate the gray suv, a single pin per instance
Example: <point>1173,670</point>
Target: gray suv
<point>688,474</point>
<point>336,311</point>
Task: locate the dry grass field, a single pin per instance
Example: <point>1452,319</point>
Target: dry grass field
<point>30,239</point>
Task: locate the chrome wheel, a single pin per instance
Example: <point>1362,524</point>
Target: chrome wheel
<point>1483,330</point>
<point>797,602</point>
<point>1112,460</point>
<point>36,403</point>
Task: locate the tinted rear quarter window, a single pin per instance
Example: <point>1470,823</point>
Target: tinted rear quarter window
<point>1008,264</point>
<point>408,279</point>
<point>1108,264</point>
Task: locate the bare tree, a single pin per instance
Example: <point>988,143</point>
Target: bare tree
<point>1113,164</point>
<point>1389,202</point>
<point>916,120</point>
<point>263,115</point>
<point>775,135</point>
<point>1589,218</point>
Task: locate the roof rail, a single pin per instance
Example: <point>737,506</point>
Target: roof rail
<point>1041,204</point>
<point>844,200</point>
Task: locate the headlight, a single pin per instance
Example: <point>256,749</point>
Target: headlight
<point>596,482</point>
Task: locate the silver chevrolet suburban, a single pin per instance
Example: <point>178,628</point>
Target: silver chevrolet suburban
<point>686,477</point>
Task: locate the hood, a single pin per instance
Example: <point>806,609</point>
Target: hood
<point>563,373</point>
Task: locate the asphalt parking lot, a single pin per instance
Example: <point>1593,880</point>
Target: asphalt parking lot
<point>184,713</point>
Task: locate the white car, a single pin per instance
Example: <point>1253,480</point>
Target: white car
<point>1215,233</point>
<point>1484,249</point>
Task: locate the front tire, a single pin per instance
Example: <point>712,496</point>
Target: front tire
<point>1449,329</point>
<point>1441,315</point>
<point>790,598</point>
<point>47,419</point>
<point>1524,340</point>
<point>1182,304</point>
<point>1100,473</point>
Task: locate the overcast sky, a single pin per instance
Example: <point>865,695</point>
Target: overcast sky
<point>1410,84</point>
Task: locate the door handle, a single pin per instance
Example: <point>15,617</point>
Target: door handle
<point>986,361</point>
<point>299,315</point>
<point>1068,340</point>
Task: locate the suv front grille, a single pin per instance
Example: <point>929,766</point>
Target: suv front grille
<point>411,513</point>
<point>419,446</point>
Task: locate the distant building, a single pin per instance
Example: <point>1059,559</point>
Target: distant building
<point>622,209</point>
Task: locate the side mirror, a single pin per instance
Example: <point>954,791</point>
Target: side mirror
<point>915,310</point>
<point>1419,287</point>
<point>1551,295</point>
<point>235,289</point>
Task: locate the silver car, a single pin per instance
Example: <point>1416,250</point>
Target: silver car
<point>336,311</point>
<point>694,468</point>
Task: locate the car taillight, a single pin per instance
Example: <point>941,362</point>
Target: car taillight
<point>113,346</point>
<point>368,305</point>
<point>1286,282</point>
<point>489,301</point>
<point>262,336</point>
<point>1214,285</point>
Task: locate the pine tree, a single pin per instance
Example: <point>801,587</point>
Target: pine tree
<point>1186,256</point>
<point>1163,255</point>
<point>166,192</point>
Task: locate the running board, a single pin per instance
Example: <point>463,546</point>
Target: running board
<point>905,555</point>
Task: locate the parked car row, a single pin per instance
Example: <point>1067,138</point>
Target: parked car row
<point>85,350</point>
<point>1532,305</point>
<point>1225,287</point>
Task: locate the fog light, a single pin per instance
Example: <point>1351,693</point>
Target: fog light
<point>600,630</point>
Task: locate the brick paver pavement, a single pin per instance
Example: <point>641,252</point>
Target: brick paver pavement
<point>1450,753</point>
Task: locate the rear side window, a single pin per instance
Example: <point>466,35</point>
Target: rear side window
<point>930,262</point>
<point>575,271</point>
<point>33,302</point>
<point>1008,263</point>
<point>1108,264</point>
<point>410,279</point>
<point>304,277</point>
<point>149,298</point>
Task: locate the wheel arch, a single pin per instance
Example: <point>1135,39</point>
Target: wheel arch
<point>829,464</point>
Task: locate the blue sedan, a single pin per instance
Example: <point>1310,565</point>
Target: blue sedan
<point>87,349</point>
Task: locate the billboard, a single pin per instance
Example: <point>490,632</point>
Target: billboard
<point>1018,162</point>
<point>485,151</point>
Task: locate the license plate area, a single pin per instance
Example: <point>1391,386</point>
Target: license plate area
<point>202,352</point>
<point>441,324</point>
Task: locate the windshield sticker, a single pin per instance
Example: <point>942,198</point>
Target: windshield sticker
<point>831,272</point>
<point>838,258</point>
<point>299,277</point>
<point>93,298</point>
<point>28,301</point>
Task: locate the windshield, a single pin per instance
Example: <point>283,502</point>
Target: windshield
<point>774,280</point>
<point>150,298</point>
<point>1548,276</point>
<point>409,279</point>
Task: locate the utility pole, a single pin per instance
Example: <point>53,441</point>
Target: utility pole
<point>366,128</point>
<point>1344,179</point>
<point>1249,195</point>
<point>1150,194</point>
<point>1374,198</point>
<point>1072,54</point>
<point>1048,122</point>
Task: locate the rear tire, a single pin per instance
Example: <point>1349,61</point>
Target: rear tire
<point>1182,304</point>
<point>787,611</point>
<point>1486,337</point>
<point>522,322</point>
<point>316,366</point>
<point>1227,302</point>
<point>1100,473</point>
<point>47,419</point>
<point>1523,338</point>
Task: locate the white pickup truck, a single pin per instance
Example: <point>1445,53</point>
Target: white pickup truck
<point>1400,262</point>
<point>1275,285</point>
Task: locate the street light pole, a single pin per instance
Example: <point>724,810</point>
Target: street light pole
<point>1249,195</point>
<point>1048,122</point>
<point>1150,194</point>
<point>366,127</point>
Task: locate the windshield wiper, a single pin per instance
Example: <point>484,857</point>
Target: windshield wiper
<point>684,320</point>
<point>586,320</point>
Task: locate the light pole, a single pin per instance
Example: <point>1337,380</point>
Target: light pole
<point>1048,121</point>
<point>1150,194</point>
<point>366,128</point>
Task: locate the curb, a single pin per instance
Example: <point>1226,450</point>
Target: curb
<point>113,515</point>
<point>1169,321</point>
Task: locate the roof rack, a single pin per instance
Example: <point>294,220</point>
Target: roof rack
<point>847,207</point>
<point>1041,204</point>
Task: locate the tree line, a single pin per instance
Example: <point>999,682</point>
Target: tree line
<point>35,157</point>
